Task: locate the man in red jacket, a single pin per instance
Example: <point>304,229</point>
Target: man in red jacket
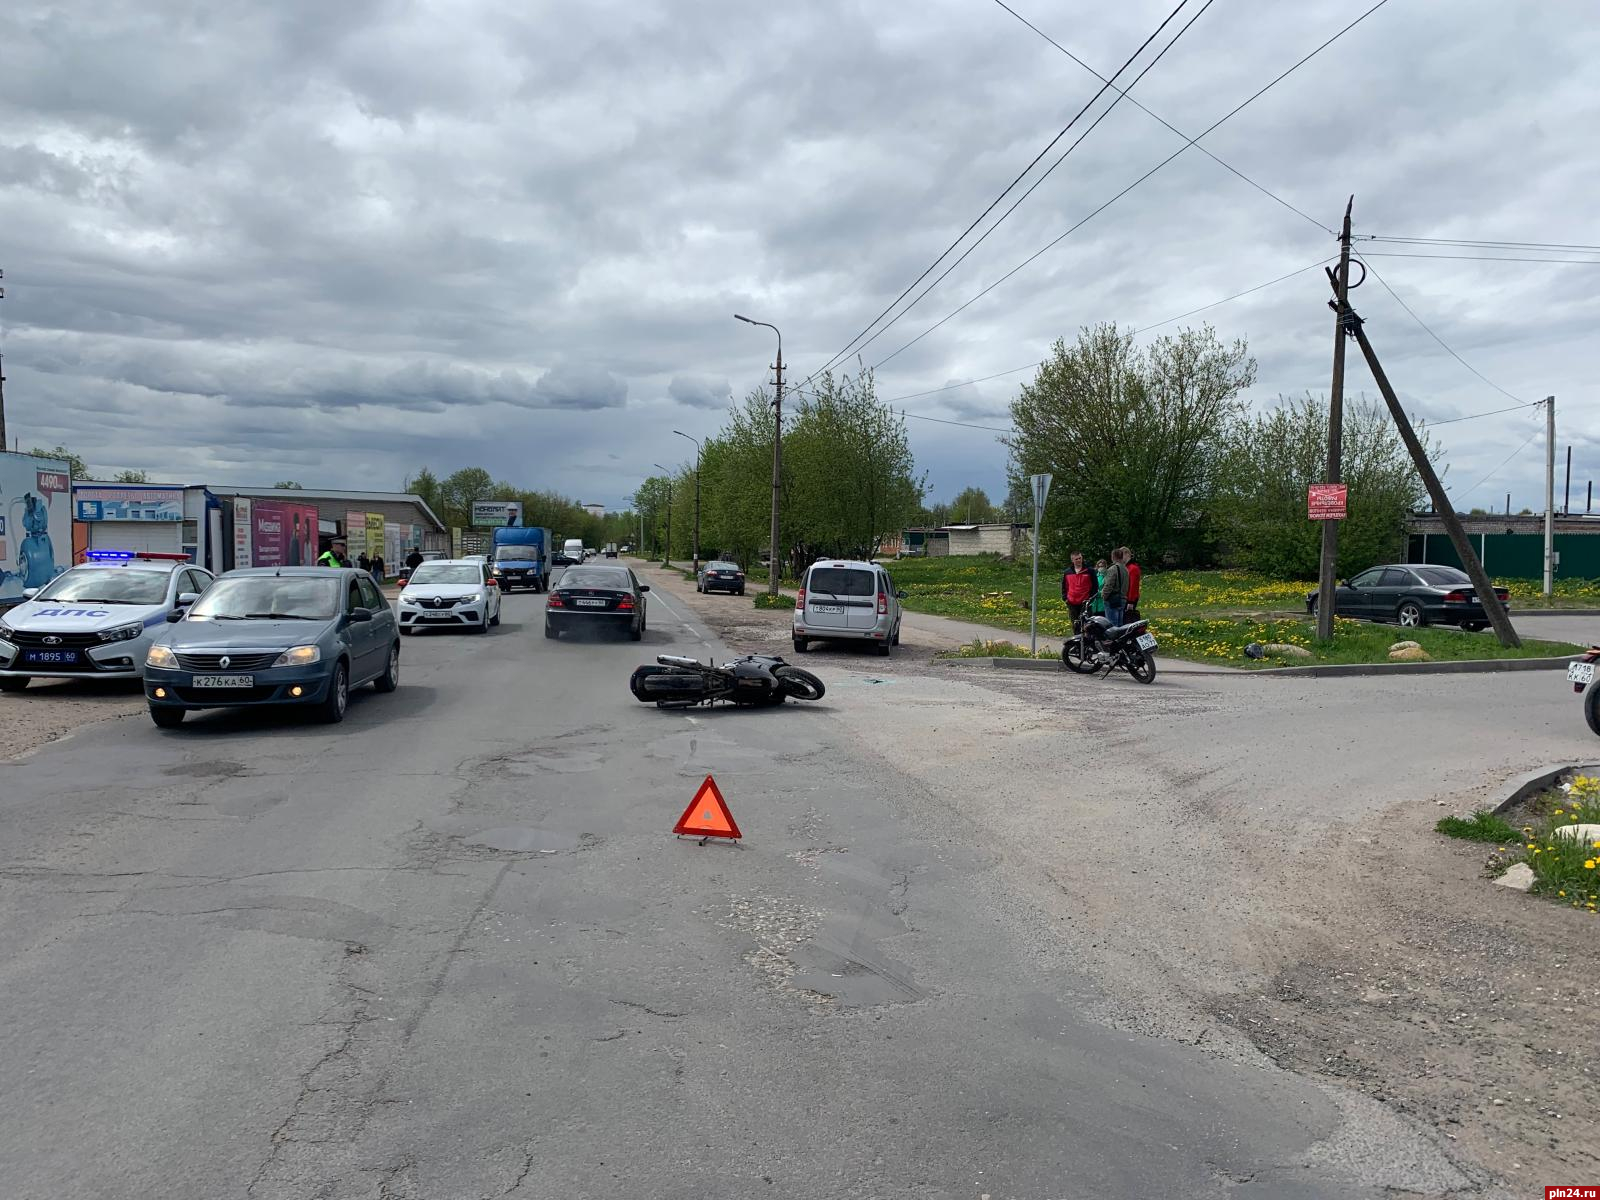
<point>1077,588</point>
<point>1133,578</point>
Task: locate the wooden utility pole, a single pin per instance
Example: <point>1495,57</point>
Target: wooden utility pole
<point>1481,584</point>
<point>1327,578</point>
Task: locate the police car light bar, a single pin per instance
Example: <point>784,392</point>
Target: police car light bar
<point>125,555</point>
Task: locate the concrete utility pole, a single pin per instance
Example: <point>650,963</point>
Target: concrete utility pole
<point>1470,562</point>
<point>1041,493</point>
<point>3,383</point>
<point>1327,577</point>
<point>1566,501</point>
<point>666,555</point>
<point>776,568</point>
<point>697,449</point>
<point>1549,494</point>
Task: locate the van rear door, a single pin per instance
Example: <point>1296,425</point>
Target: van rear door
<point>840,597</point>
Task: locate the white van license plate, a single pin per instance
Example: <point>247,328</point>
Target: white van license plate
<point>1580,672</point>
<point>1146,642</point>
<point>826,608</point>
<point>225,681</point>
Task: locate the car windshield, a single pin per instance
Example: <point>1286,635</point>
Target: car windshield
<point>269,598</point>
<point>446,573</point>
<point>842,581</point>
<point>1442,576</point>
<point>516,554</point>
<point>108,585</point>
<point>597,577</point>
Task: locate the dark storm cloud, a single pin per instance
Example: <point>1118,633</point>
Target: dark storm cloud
<point>443,231</point>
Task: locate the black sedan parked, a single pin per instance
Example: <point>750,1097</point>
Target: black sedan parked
<point>720,576</point>
<point>1411,594</point>
<point>596,598</point>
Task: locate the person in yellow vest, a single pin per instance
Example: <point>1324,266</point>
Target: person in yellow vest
<point>336,555</point>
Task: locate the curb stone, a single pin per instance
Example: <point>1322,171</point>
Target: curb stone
<point>1327,670</point>
<point>1525,785</point>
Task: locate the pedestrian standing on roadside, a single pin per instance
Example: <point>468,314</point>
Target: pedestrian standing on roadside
<point>1114,587</point>
<point>363,561</point>
<point>1132,612</point>
<point>1097,604</point>
<point>414,559</point>
<point>378,569</point>
<point>336,555</point>
<point>1078,587</point>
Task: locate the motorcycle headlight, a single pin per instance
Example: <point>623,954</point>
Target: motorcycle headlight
<point>161,656</point>
<point>298,656</point>
<point>122,633</point>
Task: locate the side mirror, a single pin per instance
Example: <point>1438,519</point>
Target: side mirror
<point>174,617</point>
<point>358,615</point>
<point>187,598</point>
<point>494,583</point>
<point>29,593</point>
<point>402,581</point>
<point>900,595</point>
<point>644,587</point>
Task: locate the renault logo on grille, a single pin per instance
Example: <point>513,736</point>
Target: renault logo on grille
<point>224,661</point>
<point>52,641</point>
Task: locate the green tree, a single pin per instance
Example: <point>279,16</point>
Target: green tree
<point>1134,436</point>
<point>1274,456</point>
<point>457,492</point>
<point>288,485</point>
<point>79,468</point>
<point>131,476</point>
<point>424,485</point>
<point>971,507</point>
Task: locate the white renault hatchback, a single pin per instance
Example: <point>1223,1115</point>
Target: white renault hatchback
<point>450,593</point>
<point>96,620</point>
<point>847,600</point>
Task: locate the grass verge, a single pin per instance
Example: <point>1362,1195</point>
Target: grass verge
<point>1566,869</point>
<point>1481,826</point>
<point>978,648</point>
<point>764,600</point>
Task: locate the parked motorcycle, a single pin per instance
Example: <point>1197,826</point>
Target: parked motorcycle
<point>1100,645</point>
<point>754,680</point>
<point>1581,676</point>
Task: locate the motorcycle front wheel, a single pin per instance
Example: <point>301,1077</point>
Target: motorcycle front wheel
<point>1076,658</point>
<point>1141,665</point>
<point>802,685</point>
<point>1591,707</point>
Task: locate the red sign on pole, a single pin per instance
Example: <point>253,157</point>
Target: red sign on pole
<point>1325,501</point>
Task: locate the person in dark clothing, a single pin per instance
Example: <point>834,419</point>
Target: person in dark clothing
<point>363,561</point>
<point>1114,588</point>
<point>336,555</point>
<point>1132,611</point>
<point>1078,588</point>
<point>414,559</point>
<point>379,569</point>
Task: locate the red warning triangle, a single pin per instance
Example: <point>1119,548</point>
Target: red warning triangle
<point>707,814</point>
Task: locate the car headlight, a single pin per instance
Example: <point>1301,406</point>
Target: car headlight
<point>161,656</point>
<point>407,598</point>
<point>298,656</point>
<point>472,599</point>
<point>122,633</point>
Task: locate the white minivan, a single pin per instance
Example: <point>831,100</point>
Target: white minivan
<point>847,600</point>
<point>572,549</point>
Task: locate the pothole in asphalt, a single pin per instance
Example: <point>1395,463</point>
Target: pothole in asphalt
<point>544,841</point>
<point>220,769</point>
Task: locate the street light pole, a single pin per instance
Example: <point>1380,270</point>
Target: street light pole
<point>666,554</point>
<point>777,456</point>
<point>697,448</point>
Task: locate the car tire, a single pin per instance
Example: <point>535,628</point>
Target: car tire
<point>1410,615</point>
<point>482,626</point>
<point>406,630</point>
<point>1472,626</point>
<point>167,718</point>
<point>550,631</point>
<point>636,633</point>
<point>1591,708</point>
<point>14,683</point>
<point>337,702</point>
<point>495,620</point>
<point>390,679</point>
<point>741,591</point>
<point>884,648</point>
<point>801,645</point>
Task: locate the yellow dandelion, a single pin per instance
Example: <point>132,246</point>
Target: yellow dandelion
<point>1588,864</point>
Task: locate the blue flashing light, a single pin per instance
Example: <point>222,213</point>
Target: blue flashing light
<point>108,555</point>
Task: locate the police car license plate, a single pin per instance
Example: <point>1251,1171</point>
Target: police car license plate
<point>590,603</point>
<point>1580,672</point>
<point>827,608</point>
<point>1146,642</point>
<point>224,681</point>
<point>50,658</point>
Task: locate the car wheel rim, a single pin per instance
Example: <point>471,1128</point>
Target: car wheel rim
<point>342,691</point>
<point>1408,617</point>
<point>394,665</point>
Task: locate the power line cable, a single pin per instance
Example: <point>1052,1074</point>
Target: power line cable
<point>945,274</point>
<point>1493,473</point>
<point>1575,262</point>
<point>1209,129</point>
<point>1469,242</point>
<point>1141,107</point>
<point>993,204</point>
<point>1478,416</point>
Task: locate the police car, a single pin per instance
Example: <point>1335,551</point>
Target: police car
<point>96,620</point>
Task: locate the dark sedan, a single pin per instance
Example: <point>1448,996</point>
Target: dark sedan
<point>596,598</point>
<point>720,577</point>
<point>302,636</point>
<point>1412,594</point>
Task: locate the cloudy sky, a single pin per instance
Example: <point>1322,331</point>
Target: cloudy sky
<point>248,240</point>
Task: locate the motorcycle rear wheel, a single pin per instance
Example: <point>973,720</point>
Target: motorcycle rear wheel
<point>1074,656</point>
<point>1591,707</point>
<point>1141,665</point>
<point>802,685</point>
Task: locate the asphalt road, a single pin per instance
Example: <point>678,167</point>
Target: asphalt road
<point>450,949</point>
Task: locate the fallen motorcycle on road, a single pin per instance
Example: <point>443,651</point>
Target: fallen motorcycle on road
<point>1099,645</point>
<point>756,680</point>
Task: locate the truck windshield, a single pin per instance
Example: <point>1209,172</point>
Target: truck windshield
<point>516,554</point>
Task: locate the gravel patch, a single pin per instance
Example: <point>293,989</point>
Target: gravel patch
<point>50,709</point>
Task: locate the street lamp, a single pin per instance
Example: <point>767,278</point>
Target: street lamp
<point>697,449</point>
<point>666,555</point>
<point>777,451</point>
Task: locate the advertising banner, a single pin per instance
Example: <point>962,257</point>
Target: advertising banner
<point>1326,501</point>
<point>35,525</point>
<point>283,534</point>
<point>491,514</point>
<point>241,532</point>
<point>374,527</point>
<point>455,541</point>
<point>94,503</point>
